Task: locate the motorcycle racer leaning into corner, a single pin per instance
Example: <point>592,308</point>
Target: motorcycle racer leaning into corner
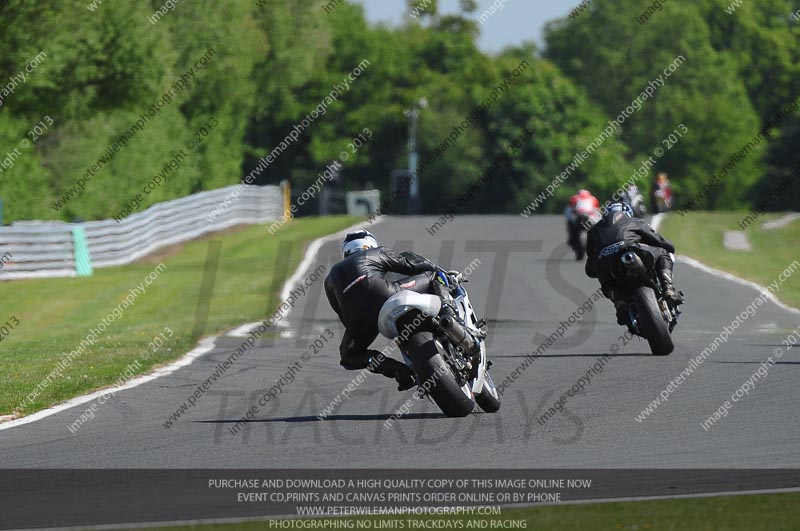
<point>619,226</point>
<point>357,289</point>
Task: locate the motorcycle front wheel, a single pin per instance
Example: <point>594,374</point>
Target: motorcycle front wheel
<point>488,399</point>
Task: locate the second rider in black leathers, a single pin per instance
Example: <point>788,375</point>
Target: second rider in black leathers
<point>619,228</point>
<point>357,287</point>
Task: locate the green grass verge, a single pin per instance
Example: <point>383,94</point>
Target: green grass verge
<point>773,512</point>
<point>699,235</point>
<point>55,315</point>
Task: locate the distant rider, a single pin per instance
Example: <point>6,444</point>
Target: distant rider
<point>634,198</point>
<point>618,226</point>
<point>581,205</point>
<point>357,289</point>
<point>661,194</point>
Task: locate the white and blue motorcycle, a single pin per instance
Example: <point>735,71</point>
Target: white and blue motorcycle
<point>443,342</point>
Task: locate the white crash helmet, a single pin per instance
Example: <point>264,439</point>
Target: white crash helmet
<point>360,240</point>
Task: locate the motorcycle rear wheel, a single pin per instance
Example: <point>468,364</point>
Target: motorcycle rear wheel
<point>437,378</point>
<point>651,323</point>
<point>580,250</point>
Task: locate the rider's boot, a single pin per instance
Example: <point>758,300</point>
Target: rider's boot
<point>622,312</point>
<point>665,276</point>
<point>392,368</point>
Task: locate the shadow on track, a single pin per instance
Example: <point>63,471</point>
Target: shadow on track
<point>759,362</point>
<point>649,355</point>
<point>314,418</point>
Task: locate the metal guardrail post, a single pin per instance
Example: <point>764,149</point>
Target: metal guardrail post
<point>83,262</point>
<point>287,199</point>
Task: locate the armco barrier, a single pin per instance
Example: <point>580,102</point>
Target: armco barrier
<point>39,249</point>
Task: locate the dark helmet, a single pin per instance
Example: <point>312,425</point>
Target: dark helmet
<point>618,211</point>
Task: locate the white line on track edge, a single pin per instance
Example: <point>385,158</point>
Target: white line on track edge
<point>697,264</point>
<point>206,345</point>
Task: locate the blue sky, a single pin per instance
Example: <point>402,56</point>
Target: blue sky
<point>518,21</point>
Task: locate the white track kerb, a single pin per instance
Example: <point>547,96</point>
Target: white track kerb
<point>206,345</point>
<point>656,224</point>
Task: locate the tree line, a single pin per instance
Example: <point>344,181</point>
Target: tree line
<point>78,78</point>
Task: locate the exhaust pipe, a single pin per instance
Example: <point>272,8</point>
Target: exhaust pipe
<point>457,333</point>
<point>633,263</point>
<point>629,258</point>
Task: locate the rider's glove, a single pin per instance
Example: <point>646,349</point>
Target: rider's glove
<point>455,277</point>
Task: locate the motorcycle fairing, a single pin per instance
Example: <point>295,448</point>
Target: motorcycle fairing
<point>402,303</point>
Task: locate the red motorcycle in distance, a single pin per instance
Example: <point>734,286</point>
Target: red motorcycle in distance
<point>661,195</point>
<point>582,213</point>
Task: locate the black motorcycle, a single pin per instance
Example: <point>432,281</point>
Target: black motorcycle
<point>650,315</point>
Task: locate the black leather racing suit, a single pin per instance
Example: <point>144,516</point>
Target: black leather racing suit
<point>630,231</point>
<point>357,288</point>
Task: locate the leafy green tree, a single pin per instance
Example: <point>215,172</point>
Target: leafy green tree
<point>23,176</point>
<point>614,58</point>
<point>562,122</point>
<point>228,36</point>
<point>270,64</point>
